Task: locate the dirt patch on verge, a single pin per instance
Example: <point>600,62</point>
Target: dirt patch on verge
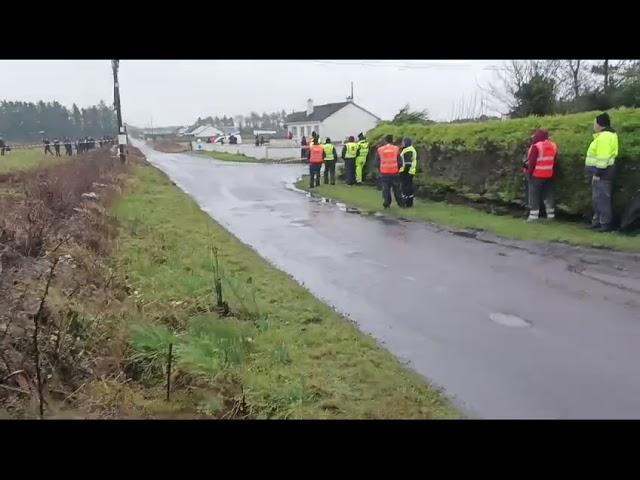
<point>171,147</point>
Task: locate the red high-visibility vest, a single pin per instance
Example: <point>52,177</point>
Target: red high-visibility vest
<point>547,151</point>
<point>389,159</point>
<point>316,154</point>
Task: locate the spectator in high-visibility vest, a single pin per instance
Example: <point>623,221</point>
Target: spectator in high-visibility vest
<point>541,163</point>
<point>316,158</point>
<point>361,156</point>
<point>600,165</point>
<point>409,157</point>
<point>389,162</point>
<point>349,153</point>
<point>330,159</point>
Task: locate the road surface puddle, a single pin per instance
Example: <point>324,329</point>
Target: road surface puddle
<point>508,320</point>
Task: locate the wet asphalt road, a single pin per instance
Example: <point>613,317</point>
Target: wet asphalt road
<point>508,330</point>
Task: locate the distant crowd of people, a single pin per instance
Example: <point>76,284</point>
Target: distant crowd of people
<point>82,145</point>
<point>4,147</point>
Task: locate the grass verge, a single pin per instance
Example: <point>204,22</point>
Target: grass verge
<point>232,157</point>
<point>460,216</point>
<point>284,353</point>
<point>26,159</point>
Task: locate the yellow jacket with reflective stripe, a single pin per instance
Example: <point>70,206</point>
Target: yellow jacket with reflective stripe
<point>328,151</point>
<point>414,159</point>
<point>352,148</point>
<point>363,149</point>
<point>603,150</point>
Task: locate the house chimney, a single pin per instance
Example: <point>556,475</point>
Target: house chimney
<point>309,107</point>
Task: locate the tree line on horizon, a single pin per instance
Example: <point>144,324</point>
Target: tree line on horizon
<point>26,121</point>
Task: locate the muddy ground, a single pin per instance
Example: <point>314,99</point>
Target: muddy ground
<point>171,147</point>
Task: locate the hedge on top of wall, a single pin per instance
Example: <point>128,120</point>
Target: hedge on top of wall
<point>484,159</point>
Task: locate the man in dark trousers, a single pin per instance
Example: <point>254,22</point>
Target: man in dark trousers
<point>600,166</point>
<point>541,163</point>
<point>2,146</point>
<point>68,147</point>
<point>330,159</point>
<point>349,153</point>
<point>56,146</point>
<point>316,158</point>
<point>389,162</point>
<point>47,146</point>
<point>409,157</point>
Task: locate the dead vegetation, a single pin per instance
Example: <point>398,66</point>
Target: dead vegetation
<point>67,346</point>
<point>170,147</point>
<point>56,289</point>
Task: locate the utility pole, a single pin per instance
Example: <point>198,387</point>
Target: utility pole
<point>122,137</point>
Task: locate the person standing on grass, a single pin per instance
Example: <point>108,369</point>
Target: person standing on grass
<point>316,157</point>
<point>409,157</point>
<point>389,162</point>
<point>68,147</point>
<point>47,146</point>
<point>56,146</point>
<point>330,159</point>
<point>600,166</point>
<point>541,164</point>
<point>2,146</point>
<point>361,157</point>
<point>349,153</point>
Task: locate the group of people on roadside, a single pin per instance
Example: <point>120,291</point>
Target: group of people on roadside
<point>397,162</point>
<point>540,169</point>
<point>82,145</point>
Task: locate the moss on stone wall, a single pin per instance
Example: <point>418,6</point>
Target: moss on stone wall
<point>485,158</point>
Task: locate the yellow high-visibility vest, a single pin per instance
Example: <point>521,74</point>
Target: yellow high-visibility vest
<point>603,150</point>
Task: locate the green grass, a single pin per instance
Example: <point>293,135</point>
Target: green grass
<point>469,146</point>
<point>463,217</point>
<point>232,157</point>
<point>293,355</point>
<point>23,159</point>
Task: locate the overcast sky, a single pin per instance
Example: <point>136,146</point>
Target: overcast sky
<point>176,92</point>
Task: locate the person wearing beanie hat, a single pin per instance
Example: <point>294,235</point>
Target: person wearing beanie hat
<point>409,157</point>
<point>600,167</point>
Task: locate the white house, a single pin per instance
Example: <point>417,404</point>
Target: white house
<point>334,120</point>
<point>205,131</point>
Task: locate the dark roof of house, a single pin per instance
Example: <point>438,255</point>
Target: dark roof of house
<point>320,112</point>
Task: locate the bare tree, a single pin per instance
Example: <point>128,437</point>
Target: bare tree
<point>512,76</point>
<point>612,73</point>
<point>574,78</point>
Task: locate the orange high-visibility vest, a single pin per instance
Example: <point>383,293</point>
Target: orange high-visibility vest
<point>389,159</point>
<point>547,151</point>
<point>316,154</point>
